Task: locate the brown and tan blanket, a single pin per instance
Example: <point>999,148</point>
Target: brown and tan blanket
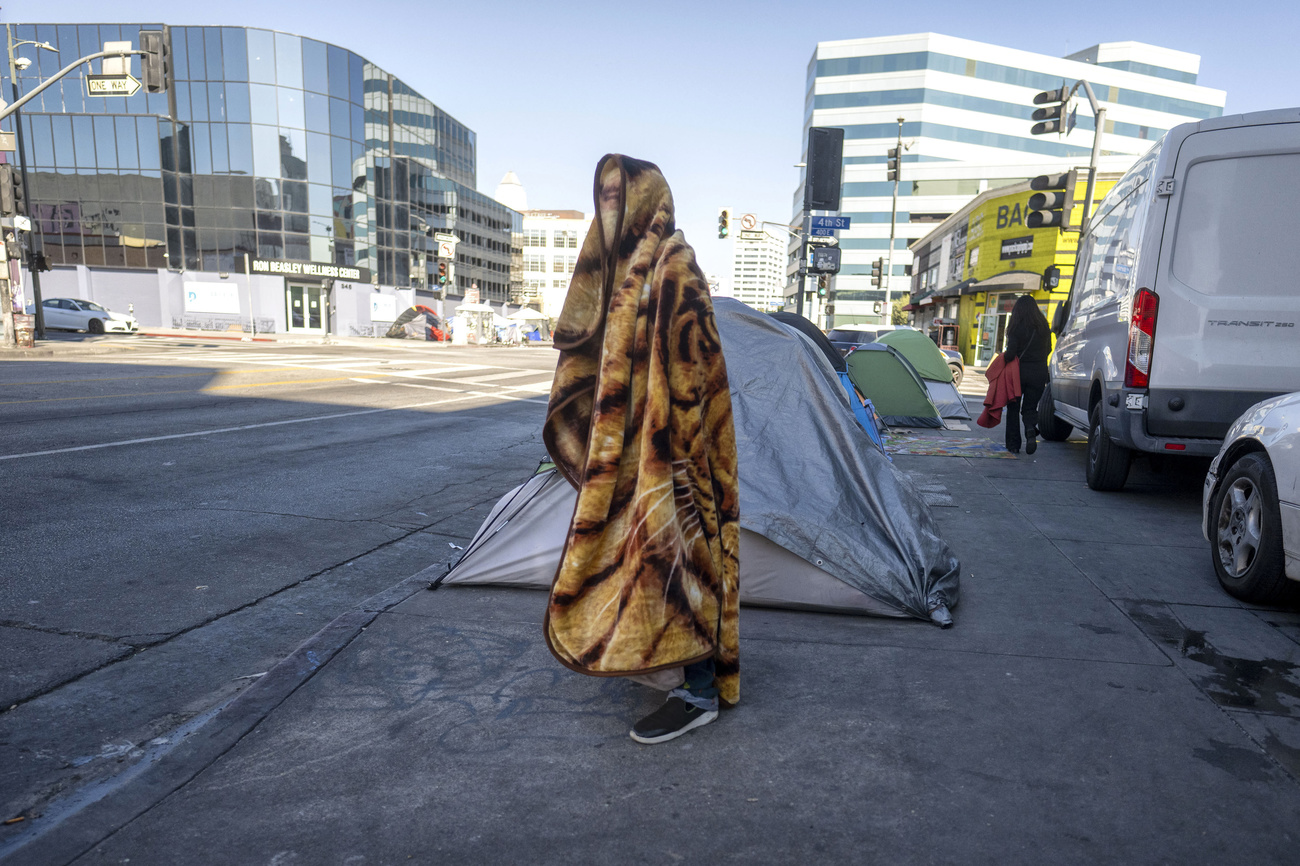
<point>640,424</point>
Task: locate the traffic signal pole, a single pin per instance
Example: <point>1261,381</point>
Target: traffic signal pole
<point>1100,125</point>
<point>893,223</point>
<point>33,236</point>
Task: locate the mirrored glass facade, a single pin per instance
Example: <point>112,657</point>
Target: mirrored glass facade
<point>269,146</point>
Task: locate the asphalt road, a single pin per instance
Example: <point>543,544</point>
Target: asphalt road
<point>177,517</point>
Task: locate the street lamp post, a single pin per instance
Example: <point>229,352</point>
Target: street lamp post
<point>34,236</point>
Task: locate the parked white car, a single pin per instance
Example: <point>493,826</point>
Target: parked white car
<point>1251,504</point>
<point>72,314</point>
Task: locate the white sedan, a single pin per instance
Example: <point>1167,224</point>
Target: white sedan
<point>73,314</point>
<point>1251,503</point>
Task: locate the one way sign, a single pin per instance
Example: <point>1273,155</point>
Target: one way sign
<point>111,85</point>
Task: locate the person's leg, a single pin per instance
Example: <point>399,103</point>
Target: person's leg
<point>691,705</point>
<point>1011,420</point>
<point>1029,413</point>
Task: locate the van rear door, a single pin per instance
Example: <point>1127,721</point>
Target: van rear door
<point>1227,332</point>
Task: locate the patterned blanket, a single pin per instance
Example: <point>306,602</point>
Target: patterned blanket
<point>639,422</point>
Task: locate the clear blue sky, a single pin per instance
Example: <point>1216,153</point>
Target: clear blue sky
<point>711,91</point>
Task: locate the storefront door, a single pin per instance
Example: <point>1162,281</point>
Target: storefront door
<point>993,328</point>
<point>306,312</point>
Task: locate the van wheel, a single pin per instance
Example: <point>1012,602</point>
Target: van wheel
<point>1051,428</point>
<point>957,373</point>
<point>1107,462</point>
<point>1247,531</point>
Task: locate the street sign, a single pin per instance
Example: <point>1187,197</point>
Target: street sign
<point>831,222</point>
<point>748,221</point>
<point>111,85</point>
<point>443,237</point>
<point>446,250</point>
<point>1072,120</point>
<point>752,236</point>
<point>823,233</point>
<point>7,141</point>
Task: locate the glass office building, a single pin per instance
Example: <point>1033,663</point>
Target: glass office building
<point>272,156</point>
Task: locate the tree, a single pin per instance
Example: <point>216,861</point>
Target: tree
<point>897,316</point>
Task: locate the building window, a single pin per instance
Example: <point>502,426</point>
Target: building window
<point>566,239</point>
<point>534,237</point>
<point>558,265</point>
<point>534,263</point>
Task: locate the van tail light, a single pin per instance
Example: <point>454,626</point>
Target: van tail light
<point>1141,339</point>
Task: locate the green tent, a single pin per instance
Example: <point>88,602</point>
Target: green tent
<point>921,351</point>
<point>891,383</point>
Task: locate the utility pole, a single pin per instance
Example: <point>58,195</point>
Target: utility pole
<point>895,162</point>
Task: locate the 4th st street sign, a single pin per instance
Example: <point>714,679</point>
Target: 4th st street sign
<point>111,85</point>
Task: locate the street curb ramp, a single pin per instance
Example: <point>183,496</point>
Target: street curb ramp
<point>80,832</point>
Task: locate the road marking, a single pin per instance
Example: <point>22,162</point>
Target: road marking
<point>513,374</point>
<point>163,376</point>
<point>273,384</point>
<point>244,427</point>
<point>186,391</point>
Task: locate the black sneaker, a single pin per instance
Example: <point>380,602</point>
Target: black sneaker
<point>670,721</point>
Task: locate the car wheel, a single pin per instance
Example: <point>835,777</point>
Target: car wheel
<point>95,326</point>
<point>1108,462</point>
<point>1051,428</point>
<point>1247,531</point>
<point>957,373</point>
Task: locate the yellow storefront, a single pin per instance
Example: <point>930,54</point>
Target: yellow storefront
<point>984,257</point>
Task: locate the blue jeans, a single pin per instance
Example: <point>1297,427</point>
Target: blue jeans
<point>698,689</point>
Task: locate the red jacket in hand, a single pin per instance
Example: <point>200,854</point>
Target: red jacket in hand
<point>1004,386</point>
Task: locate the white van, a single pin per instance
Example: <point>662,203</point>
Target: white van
<point>1185,305</point>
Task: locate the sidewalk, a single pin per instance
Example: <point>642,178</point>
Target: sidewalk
<point>64,343</point>
<point>1099,699</point>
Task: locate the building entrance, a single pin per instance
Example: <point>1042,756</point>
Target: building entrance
<point>306,309</point>
<point>993,328</point>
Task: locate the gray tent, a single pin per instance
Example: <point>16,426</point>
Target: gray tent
<point>827,522</point>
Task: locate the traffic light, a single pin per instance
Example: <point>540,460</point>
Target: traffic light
<point>823,283</point>
<point>12,202</point>
<point>877,270</point>
<point>724,222</point>
<point>891,164</point>
<point>442,273</point>
<point>1052,117</point>
<point>825,160</point>
<point>156,63</point>
<point>1050,205</point>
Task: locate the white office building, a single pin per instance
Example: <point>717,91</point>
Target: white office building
<point>965,108</point>
<point>551,240</point>
<point>757,265</point>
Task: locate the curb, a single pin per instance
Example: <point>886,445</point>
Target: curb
<point>83,830</point>
<point>205,337</point>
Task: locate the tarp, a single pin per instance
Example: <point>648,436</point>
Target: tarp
<point>419,322</point>
<point>812,332</point>
<point>817,499</point>
<point>886,378</point>
<point>530,315</point>
<point>921,353</point>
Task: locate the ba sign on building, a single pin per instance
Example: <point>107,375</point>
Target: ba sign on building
<point>970,270</point>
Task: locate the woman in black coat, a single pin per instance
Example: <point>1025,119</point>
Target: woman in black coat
<point>1029,339</point>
